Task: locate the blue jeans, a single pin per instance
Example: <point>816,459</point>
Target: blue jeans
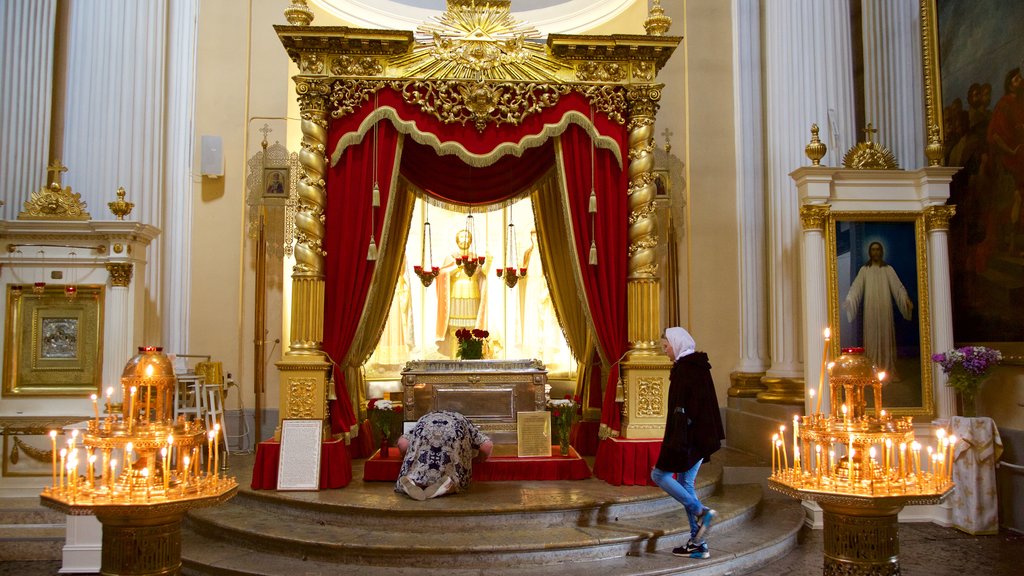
<point>682,490</point>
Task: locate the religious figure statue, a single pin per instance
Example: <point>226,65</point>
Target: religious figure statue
<point>461,298</point>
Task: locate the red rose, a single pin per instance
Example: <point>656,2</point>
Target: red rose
<point>576,399</point>
<point>397,408</point>
<point>372,403</point>
<point>478,333</point>
<point>556,413</point>
<point>486,334</point>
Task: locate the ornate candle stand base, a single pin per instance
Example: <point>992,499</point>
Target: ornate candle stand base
<point>143,539</point>
<point>861,532</point>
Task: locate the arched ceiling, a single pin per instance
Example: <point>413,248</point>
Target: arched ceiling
<point>547,16</point>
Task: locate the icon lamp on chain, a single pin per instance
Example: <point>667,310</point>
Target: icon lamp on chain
<point>467,259</point>
<point>511,272</point>
<point>426,271</point>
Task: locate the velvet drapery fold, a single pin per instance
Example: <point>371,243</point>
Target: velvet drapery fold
<point>502,162</point>
<point>351,221</point>
<point>582,169</point>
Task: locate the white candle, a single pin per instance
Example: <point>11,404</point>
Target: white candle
<point>53,453</point>
<point>113,476</point>
<point>949,458</point>
<point>821,376</point>
<point>775,451</point>
<point>796,445</point>
<point>63,456</point>
<point>95,410</point>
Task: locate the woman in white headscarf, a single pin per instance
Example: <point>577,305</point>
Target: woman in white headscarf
<point>692,433</point>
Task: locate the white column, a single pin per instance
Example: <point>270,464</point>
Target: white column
<point>940,299</point>
<point>809,79</point>
<point>815,297</point>
<point>893,77</point>
<point>118,345</point>
<point>26,89</point>
<point>750,186</point>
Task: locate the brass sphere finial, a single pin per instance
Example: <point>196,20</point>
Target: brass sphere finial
<point>934,151</point>
<point>657,24</point>
<point>120,207</point>
<point>298,14</point>
<point>816,149</point>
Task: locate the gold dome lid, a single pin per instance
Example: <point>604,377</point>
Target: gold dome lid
<point>852,364</point>
<point>150,362</point>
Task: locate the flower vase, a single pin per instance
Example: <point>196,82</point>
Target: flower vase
<point>968,407</point>
<point>563,442</point>
<point>384,445</point>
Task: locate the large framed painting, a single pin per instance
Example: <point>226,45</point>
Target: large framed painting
<point>53,346</point>
<point>878,301</point>
<point>975,93</point>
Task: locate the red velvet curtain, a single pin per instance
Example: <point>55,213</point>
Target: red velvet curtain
<point>349,227</point>
<point>605,284</point>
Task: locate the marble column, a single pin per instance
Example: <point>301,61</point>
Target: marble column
<point>893,81</point>
<point>26,76</point>
<point>754,360</point>
<point>940,298</point>
<point>809,79</point>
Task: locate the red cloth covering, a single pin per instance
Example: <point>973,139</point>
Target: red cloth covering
<point>335,465</point>
<point>584,437</point>
<point>623,462</point>
<point>495,468</point>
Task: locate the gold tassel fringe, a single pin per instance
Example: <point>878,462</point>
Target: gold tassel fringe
<point>593,253</point>
<point>593,201</point>
<point>376,195</point>
<point>371,252</point>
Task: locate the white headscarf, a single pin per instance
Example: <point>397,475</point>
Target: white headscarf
<point>681,341</point>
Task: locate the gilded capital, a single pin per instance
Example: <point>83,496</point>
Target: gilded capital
<point>814,216</point>
<point>643,102</point>
<point>314,97</point>
<point>937,217</point>
<point>120,273</point>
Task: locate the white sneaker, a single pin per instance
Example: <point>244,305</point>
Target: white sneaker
<point>410,487</point>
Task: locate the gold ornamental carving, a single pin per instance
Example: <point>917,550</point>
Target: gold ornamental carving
<point>54,202</point>
<point>356,66</point>
<point>592,71</point>
<point>657,23</point>
<point>120,207</point>
<point>814,216</point>
<point>649,395</point>
<point>120,273</point>
<point>608,100</point>
<point>347,96</point>
<point>937,217</point>
<point>935,150</point>
<point>313,95</point>
<point>302,402</point>
<point>643,71</point>
<point>482,103</point>
<point>643,238</point>
<point>298,13</point>
<point>311,64</point>
<point>870,155</point>
<point>815,149</point>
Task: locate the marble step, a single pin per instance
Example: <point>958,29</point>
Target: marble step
<point>412,544</point>
<point>741,541</point>
<point>29,531</point>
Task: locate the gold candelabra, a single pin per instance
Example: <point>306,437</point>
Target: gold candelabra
<point>143,469</point>
<point>861,468</point>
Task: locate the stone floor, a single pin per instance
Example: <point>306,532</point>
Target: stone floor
<point>925,549</point>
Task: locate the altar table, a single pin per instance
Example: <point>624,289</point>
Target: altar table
<point>554,467</point>
<point>335,465</point>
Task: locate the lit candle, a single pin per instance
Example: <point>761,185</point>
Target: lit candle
<point>145,479</point>
<point>149,397</point>
<point>949,458</point>
<point>216,449</point>
<point>781,446</point>
<point>810,393</point>
<point>821,376</point>
<point>903,459</point>
<point>843,410</point>
<point>95,410</point>
<point>831,463</point>
<point>209,452</point>
<point>775,451</point>
<point>131,409</point>
<point>797,468</point>
<point>881,379</point>
<point>113,476</point>
<point>796,445</point>
<point>53,454</point>
<point>110,392</point>
<point>931,460</point>
<point>167,469</point>
<point>785,455</point>
<point>74,438</point>
<point>849,454</point>
<point>881,414</point>
<point>888,453</point>
<point>128,455</point>
<point>92,470</point>
<point>916,447</point>
<point>63,455</point>
<point>817,461</point>
<point>103,467</point>
<point>188,463</point>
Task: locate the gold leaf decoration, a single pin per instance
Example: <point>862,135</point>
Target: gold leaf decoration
<point>54,203</point>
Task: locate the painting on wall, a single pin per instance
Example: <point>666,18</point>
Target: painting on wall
<point>878,301</point>
<point>982,116</point>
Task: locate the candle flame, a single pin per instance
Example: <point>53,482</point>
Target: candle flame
<point>53,433</point>
<point>810,391</point>
<point>828,333</point>
<point>881,375</point>
<point>93,397</point>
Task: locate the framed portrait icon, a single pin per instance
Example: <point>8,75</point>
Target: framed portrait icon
<point>878,301</point>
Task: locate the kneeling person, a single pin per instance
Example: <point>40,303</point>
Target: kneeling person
<point>439,455</point>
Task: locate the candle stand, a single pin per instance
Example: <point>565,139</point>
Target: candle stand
<point>879,471</point>
<point>140,505</point>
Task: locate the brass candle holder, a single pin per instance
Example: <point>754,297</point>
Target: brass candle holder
<point>861,468</point>
<point>143,470</point>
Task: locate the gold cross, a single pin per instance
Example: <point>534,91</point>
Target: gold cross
<point>57,168</point>
<point>266,130</point>
<point>869,131</point>
<point>668,140</point>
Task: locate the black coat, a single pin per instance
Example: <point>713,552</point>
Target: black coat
<point>693,429</point>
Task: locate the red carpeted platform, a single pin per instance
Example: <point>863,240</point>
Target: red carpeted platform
<point>497,467</point>
<point>335,465</point>
<point>622,462</point>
